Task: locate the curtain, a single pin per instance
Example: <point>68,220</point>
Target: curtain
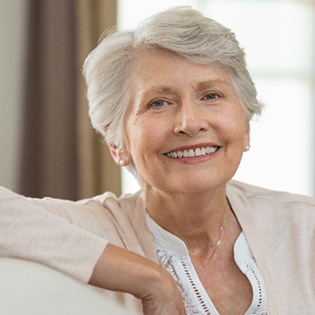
<point>62,156</point>
<point>97,170</point>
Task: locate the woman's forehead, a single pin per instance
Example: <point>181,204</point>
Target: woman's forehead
<point>160,70</point>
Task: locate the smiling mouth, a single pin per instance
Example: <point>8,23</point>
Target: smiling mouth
<point>191,153</point>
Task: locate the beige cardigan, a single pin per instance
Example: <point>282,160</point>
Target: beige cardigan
<point>280,229</point>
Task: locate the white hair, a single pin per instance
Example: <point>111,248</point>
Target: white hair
<point>182,30</point>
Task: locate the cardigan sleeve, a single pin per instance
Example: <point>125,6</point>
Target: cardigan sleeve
<point>28,231</point>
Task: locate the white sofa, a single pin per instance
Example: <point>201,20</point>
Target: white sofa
<point>27,288</point>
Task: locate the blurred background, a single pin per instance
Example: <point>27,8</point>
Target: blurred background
<point>47,146</point>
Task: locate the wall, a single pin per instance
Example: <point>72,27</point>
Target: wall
<point>12,30</point>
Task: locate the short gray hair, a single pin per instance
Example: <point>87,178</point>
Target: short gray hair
<point>181,30</point>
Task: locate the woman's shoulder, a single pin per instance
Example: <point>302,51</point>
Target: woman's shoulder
<point>102,202</point>
<point>108,216</point>
<point>268,198</point>
<point>108,197</point>
<point>106,204</point>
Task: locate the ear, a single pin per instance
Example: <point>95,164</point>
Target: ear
<point>120,156</point>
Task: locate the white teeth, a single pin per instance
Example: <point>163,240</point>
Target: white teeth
<point>197,152</point>
<point>192,152</point>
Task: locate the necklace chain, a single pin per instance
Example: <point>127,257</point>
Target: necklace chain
<point>221,229</point>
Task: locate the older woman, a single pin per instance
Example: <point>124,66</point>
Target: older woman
<point>173,100</point>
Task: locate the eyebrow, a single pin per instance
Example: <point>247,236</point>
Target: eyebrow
<point>159,88</point>
<point>210,83</point>
<point>156,89</point>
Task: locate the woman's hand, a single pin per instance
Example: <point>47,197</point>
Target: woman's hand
<point>121,270</point>
<point>163,299</point>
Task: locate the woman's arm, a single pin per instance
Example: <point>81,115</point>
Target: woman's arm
<point>121,270</point>
<point>28,231</point>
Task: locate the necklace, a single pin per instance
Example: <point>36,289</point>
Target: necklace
<point>221,229</point>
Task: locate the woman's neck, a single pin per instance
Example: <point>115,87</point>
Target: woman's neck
<point>191,217</point>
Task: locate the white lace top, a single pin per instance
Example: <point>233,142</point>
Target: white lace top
<point>174,257</point>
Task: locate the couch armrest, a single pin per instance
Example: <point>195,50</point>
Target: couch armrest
<point>29,288</point>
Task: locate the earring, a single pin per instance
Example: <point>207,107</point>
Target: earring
<point>122,162</point>
<point>247,148</point>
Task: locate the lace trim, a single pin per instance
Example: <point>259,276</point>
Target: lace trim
<point>202,303</point>
<point>247,264</point>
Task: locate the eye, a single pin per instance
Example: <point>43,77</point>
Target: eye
<point>159,103</point>
<point>211,96</point>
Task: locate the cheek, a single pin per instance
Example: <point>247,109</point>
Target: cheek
<point>144,137</point>
<point>234,129</point>
<point>236,117</point>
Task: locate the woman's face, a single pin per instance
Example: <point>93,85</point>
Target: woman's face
<point>185,127</point>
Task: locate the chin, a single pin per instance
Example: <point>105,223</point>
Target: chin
<point>193,188</point>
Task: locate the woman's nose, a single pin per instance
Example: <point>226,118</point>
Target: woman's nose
<point>190,120</point>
